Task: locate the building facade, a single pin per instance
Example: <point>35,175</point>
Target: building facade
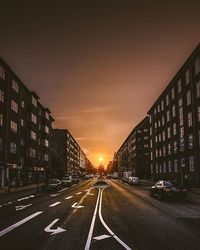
<point>133,155</point>
<point>25,130</point>
<point>67,153</point>
<point>175,126</point>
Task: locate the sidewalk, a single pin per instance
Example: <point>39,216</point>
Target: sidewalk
<point>17,193</point>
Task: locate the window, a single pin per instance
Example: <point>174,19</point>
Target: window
<point>180,102</point>
<point>15,86</point>
<point>22,122</point>
<point>189,98</point>
<point>46,143</point>
<point>151,168</point>
<point>175,147</point>
<point>168,116</point>
<point>1,120</point>
<point>179,86</point>
<point>162,105</point>
<point>2,72</point>
<point>164,151</point>
<point>14,106</point>
<point>175,165</point>
<point>167,99</point>
<point>163,135</point>
<point>33,135</point>
<point>169,149</point>
<point>13,148</point>
<point>181,116</point>
<point>182,132</point>
<point>156,167</point>
<point>198,89</point>
<point>34,101</point>
<point>13,126</point>
<point>1,96</point>
<point>197,65</point>
<point>151,143</point>
<point>33,118</point>
<point>191,163</point>
<point>168,133</point>
<point>190,141</point>
<point>169,166</point>
<point>159,123</point>
<point>164,167</point>
<point>22,141</point>
<point>47,115</point>
<point>150,119</point>
<point>1,144</point>
<point>46,129</point>
<point>174,128</point>
<point>173,111</point>
<point>155,125</point>
<point>163,120</point>
<point>150,130</point>
<point>46,157</point>
<point>187,76</point>
<point>159,138</point>
<point>182,162</point>
<point>158,108</point>
<point>32,152</point>
<point>22,104</point>
<point>173,93</point>
<point>160,168</point>
<point>189,119</point>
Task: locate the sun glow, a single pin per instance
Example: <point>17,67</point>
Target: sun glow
<point>101,159</point>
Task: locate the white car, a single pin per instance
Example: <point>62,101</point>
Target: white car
<point>133,180</point>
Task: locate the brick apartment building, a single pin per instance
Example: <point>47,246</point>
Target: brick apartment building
<point>25,130</point>
<point>175,126</point>
<point>133,154</point>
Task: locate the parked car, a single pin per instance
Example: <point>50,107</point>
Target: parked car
<point>133,180</point>
<point>75,179</point>
<point>66,181</point>
<point>166,189</point>
<point>54,185</point>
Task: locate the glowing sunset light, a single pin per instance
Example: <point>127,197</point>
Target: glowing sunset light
<point>101,159</point>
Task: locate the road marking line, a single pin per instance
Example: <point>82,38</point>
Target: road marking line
<point>19,223</point>
<point>101,237</point>
<point>54,195</point>
<point>25,198</point>
<point>54,231</point>
<point>78,193</point>
<point>22,207</point>
<point>55,204</point>
<point>69,197</point>
<point>108,229</point>
<point>76,206</point>
<point>62,190</point>
<point>87,246</point>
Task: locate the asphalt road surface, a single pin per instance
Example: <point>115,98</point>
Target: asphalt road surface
<point>104,216</point>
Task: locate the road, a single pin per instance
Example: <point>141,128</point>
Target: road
<point>111,216</point>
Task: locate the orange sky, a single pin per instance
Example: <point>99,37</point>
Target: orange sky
<point>98,66</point>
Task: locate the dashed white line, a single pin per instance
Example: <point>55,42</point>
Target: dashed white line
<point>69,197</point>
<point>55,204</point>
<point>19,223</point>
<point>26,198</point>
<point>78,193</point>
<point>62,190</point>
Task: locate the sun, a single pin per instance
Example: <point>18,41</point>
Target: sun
<point>100,158</point>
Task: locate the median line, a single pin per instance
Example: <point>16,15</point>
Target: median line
<point>55,204</point>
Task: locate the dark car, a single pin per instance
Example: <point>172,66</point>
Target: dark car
<point>166,189</point>
<point>54,185</point>
<point>66,181</point>
<point>75,179</point>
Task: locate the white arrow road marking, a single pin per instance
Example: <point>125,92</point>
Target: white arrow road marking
<point>54,231</point>
<point>79,193</point>
<point>54,204</point>
<point>54,195</point>
<point>76,206</point>
<point>26,198</point>
<point>86,190</point>
<point>19,223</point>
<point>22,207</point>
<point>69,197</point>
<point>101,237</point>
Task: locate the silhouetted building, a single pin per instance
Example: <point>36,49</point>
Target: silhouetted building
<point>25,130</point>
<point>133,155</point>
<point>175,126</point>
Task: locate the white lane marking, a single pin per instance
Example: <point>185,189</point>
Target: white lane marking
<point>87,190</point>
<point>54,195</point>
<point>55,204</point>
<point>108,229</point>
<point>78,193</point>
<point>101,237</point>
<point>26,198</point>
<point>62,190</point>
<point>87,246</point>
<point>69,197</point>
<point>22,207</point>
<point>54,231</point>
<point>76,206</point>
<point>19,223</point>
